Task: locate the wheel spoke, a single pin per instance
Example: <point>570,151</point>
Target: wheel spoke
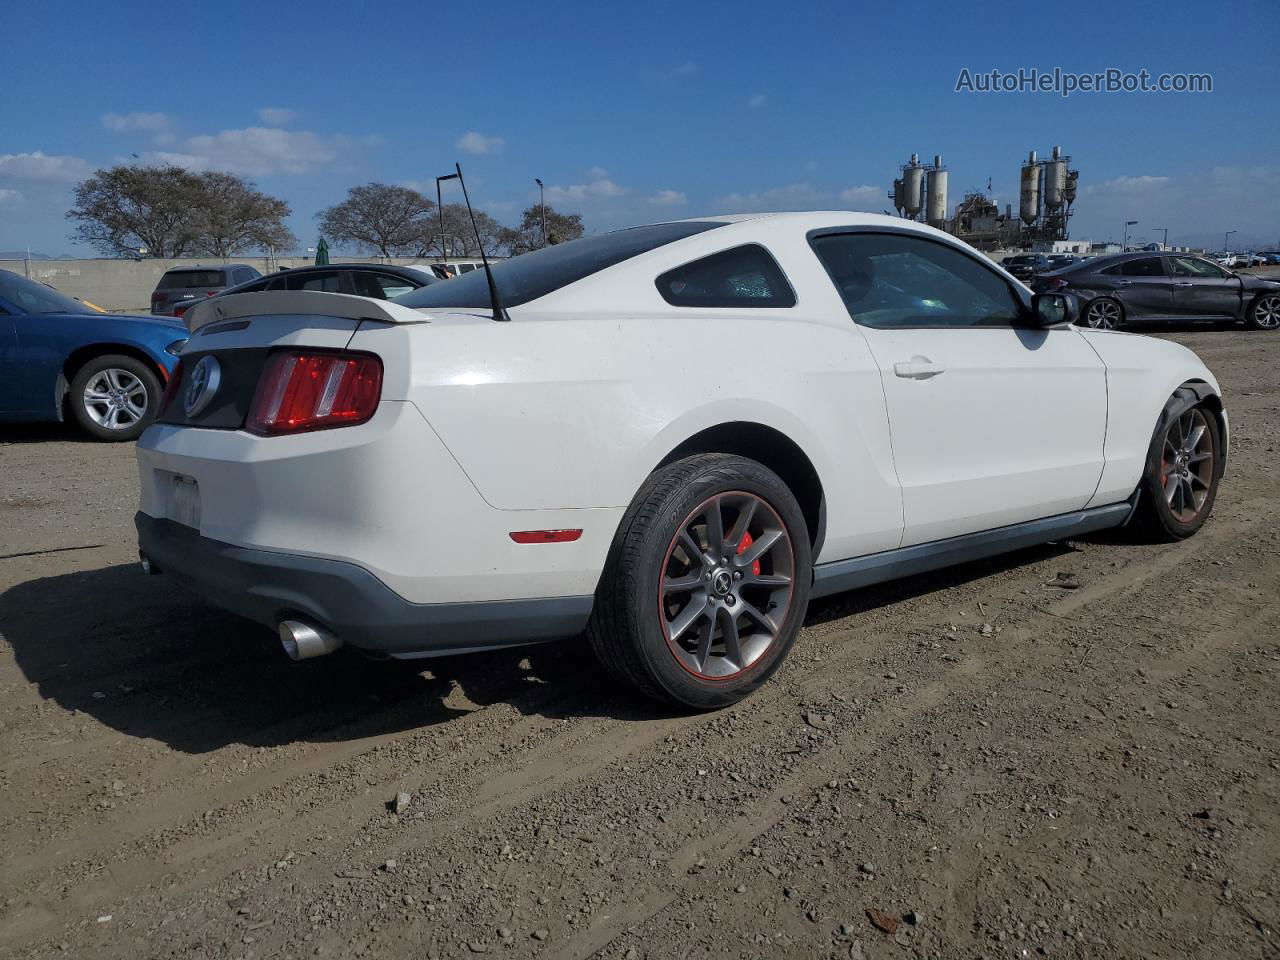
<point>693,549</point>
<point>686,618</point>
<point>703,652</point>
<point>683,584</point>
<point>750,610</point>
<point>741,524</point>
<point>766,580</point>
<point>729,634</point>
<point>1193,441</point>
<point>1199,457</point>
<point>95,396</point>
<point>1171,490</point>
<point>715,528</point>
<point>759,548</point>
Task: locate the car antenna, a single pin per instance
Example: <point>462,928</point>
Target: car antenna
<point>499,311</point>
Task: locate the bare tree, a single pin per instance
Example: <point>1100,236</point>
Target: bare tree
<point>459,235</point>
<point>234,216</point>
<point>389,220</point>
<point>124,208</point>
<point>560,227</point>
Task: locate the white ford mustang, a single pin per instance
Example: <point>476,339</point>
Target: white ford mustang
<point>672,436</point>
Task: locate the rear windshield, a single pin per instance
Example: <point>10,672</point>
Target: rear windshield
<point>536,274</point>
<point>1021,260</point>
<point>187,279</point>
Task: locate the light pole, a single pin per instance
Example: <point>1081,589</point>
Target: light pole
<point>1127,225</point>
<point>542,206</point>
<point>1226,240</point>
<point>1165,244</point>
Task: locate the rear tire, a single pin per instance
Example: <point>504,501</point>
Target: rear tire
<point>1103,313</point>
<point>114,397</point>
<point>1264,312</point>
<point>1184,464</point>
<point>700,611</point>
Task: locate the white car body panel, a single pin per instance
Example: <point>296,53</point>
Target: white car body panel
<point>555,419</point>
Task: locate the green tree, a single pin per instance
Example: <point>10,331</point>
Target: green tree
<point>234,216</point>
<point>560,227</point>
<point>124,208</point>
<point>389,220</point>
<point>459,235</point>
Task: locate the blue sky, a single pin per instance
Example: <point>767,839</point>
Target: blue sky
<point>637,112</point>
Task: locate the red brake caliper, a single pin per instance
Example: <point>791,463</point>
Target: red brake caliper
<point>742,548</point>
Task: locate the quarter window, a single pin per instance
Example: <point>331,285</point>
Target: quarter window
<point>1145,267</point>
<point>326,282</point>
<point>892,280</point>
<point>745,276</point>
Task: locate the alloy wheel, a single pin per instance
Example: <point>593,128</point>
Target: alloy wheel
<point>726,585</point>
<point>115,399</point>
<point>1103,315</point>
<point>1186,464</point>
<point>1266,312</point>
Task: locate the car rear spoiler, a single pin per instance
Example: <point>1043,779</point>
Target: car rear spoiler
<point>298,302</point>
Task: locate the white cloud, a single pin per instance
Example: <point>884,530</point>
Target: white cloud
<point>668,198</point>
<point>757,101</point>
<point>865,198</point>
<point>124,122</point>
<point>277,116</point>
<point>793,196</point>
<point>1129,184</point>
<point>9,197</point>
<point>473,142</point>
<point>671,73</point>
<point>255,151</point>
<point>598,186</point>
<point>42,166</point>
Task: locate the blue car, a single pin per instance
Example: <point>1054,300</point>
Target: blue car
<point>59,356</point>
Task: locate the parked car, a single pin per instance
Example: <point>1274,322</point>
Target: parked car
<point>1059,260</point>
<point>1165,286</point>
<point>684,433</point>
<point>182,286</point>
<point>59,356</point>
<point>1271,258</point>
<point>380,281</point>
<point>1025,266</point>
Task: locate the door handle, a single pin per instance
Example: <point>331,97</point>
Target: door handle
<point>1123,283</point>
<point>1183,283</point>
<point>917,368</point>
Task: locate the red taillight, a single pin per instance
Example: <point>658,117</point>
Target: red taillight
<point>302,391</point>
<point>1054,283</point>
<point>171,388</point>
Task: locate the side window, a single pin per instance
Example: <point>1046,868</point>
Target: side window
<point>392,286</point>
<point>326,282</point>
<point>1195,267</point>
<point>244,275</point>
<point>892,280</point>
<point>1145,267</point>
<point>745,276</point>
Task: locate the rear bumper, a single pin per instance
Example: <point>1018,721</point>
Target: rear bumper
<point>350,601</point>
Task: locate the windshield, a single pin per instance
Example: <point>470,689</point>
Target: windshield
<point>536,274</point>
<point>32,297</point>
<point>190,279</point>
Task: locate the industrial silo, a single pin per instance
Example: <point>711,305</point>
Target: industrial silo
<point>898,201</point>
<point>1029,193</point>
<point>1055,181</point>
<point>913,186</point>
<point>936,182</point>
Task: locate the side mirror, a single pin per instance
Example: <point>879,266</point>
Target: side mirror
<point>1054,309</point>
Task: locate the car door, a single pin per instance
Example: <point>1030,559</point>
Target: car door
<point>993,421</point>
<point>1142,285</point>
<point>1203,289</point>
<point>8,361</point>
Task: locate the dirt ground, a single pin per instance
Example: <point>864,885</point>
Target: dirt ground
<point>1093,773</point>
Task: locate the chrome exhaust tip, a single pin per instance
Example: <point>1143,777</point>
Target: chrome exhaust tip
<point>149,568</point>
<point>302,641</point>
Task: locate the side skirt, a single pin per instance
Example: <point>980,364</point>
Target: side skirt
<point>841,575</point>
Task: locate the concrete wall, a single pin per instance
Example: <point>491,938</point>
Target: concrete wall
<point>127,284</point>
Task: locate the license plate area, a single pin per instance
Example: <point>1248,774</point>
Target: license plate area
<point>183,501</point>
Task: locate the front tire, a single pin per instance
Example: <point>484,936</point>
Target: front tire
<point>114,397</point>
<point>1264,312</point>
<point>706,584</point>
<point>1184,464</point>
<point>1103,313</point>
